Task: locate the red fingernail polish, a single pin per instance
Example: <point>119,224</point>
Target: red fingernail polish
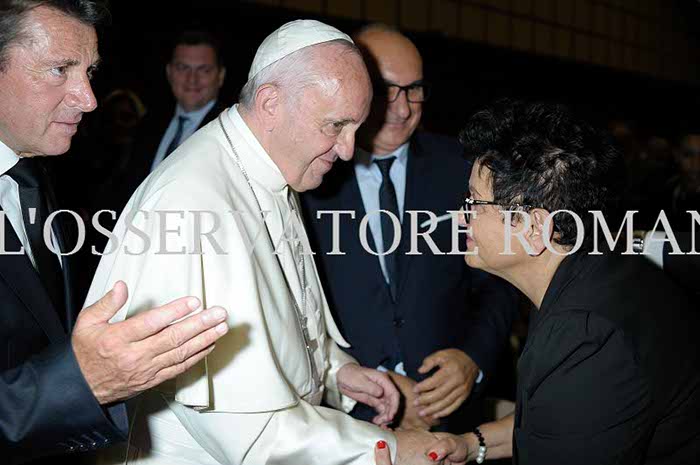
<point>381,444</point>
<point>433,456</point>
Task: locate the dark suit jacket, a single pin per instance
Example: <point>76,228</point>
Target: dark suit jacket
<point>435,308</point>
<point>46,406</point>
<point>144,150</point>
<point>609,373</point>
<point>684,269</point>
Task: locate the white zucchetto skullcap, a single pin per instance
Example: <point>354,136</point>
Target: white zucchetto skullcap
<point>290,38</point>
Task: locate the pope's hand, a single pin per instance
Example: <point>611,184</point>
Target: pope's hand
<point>444,391</point>
<point>412,448</point>
<point>370,387</point>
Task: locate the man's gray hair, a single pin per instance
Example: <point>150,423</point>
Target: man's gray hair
<point>293,72</point>
<point>14,12</point>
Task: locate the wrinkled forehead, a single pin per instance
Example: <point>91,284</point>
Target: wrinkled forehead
<point>47,29</point>
<point>342,87</point>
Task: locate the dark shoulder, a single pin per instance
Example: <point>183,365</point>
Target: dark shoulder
<point>621,286</point>
<point>633,296</point>
<point>438,145</point>
<point>214,113</point>
<point>440,156</point>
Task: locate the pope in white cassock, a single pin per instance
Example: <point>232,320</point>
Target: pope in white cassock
<point>194,227</point>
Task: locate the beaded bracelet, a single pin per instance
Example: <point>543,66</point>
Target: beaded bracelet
<point>482,446</point>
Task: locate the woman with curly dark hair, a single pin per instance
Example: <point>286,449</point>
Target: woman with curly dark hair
<point>609,373</point>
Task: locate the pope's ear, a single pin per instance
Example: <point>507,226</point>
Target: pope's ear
<point>536,235</point>
<point>268,104</point>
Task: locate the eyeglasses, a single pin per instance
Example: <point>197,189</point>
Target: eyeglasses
<point>415,93</point>
<point>470,201</point>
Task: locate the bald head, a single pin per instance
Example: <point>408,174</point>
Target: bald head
<point>392,60</point>
<point>391,51</point>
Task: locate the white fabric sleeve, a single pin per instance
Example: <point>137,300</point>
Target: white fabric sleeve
<point>338,359</point>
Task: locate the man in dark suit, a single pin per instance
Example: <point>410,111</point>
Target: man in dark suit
<point>62,378</point>
<point>411,311</point>
<point>196,73</point>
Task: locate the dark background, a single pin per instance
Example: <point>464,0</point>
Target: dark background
<point>465,76</point>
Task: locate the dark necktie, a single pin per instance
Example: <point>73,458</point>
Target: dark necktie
<point>31,181</point>
<point>181,120</point>
<point>388,202</point>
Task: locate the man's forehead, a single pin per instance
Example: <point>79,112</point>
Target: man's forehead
<point>66,38</point>
<point>192,53</point>
<point>395,56</point>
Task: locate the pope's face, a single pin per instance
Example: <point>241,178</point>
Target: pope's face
<point>195,76</point>
<point>45,87</point>
<point>320,124</point>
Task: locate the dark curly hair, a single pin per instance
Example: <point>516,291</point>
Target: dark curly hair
<point>542,156</point>
<point>14,12</point>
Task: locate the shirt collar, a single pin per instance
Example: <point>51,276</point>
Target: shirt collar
<point>8,158</point>
<point>196,114</point>
<point>364,158</point>
<point>259,166</point>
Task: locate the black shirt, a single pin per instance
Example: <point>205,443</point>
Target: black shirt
<point>610,372</point>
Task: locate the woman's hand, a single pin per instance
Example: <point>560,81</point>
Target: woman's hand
<point>453,449</point>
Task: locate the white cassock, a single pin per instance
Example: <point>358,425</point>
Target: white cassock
<point>253,400</point>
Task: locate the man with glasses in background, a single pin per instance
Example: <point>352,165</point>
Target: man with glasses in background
<point>411,314</point>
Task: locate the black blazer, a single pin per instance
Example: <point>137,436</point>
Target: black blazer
<point>46,406</point>
<point>609,374</point>
<point>146,142</point>
<point>435,308</point>
<point>684,269</point>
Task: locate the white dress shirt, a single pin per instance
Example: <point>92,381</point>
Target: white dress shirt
<point>369,178</point>
<point>194,119</point>
<point>9,200</point>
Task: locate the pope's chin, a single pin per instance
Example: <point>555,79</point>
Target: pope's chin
<point>312,183</point>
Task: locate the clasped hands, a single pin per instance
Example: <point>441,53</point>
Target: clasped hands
<point>425,403</point>
<point>440,394</point>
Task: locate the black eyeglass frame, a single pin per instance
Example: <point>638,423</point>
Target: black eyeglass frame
<point>385,86</point>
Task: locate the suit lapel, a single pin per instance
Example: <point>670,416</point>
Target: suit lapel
<point>63,239</point>
<point>21,277</point>
<point>212,114</point>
